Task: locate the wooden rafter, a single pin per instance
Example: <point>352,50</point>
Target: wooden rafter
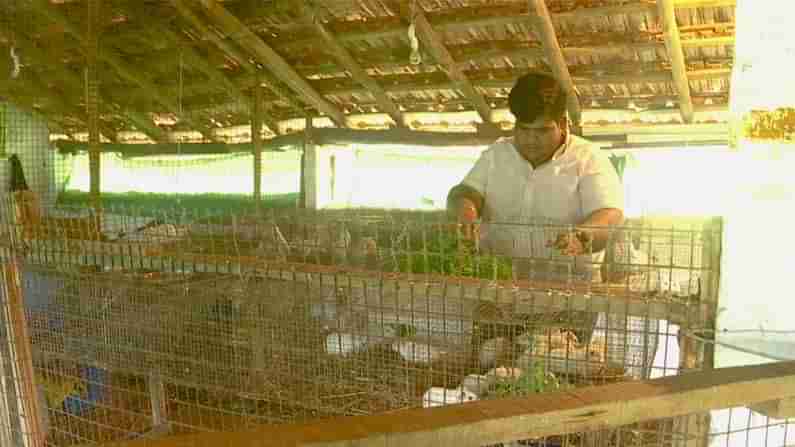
<point>345,59</point>
<point>272,84</point>
<point>195,60</point>
<point>704,3</point>
<point>122,68</point>
<point>481,16</point>
<point>394,84</point>
<point>436,48</point>
<point>74,83</point>
<point>673,44</point>
<point>232,26</point>
<point>93,101</point>
<point>542,24</point>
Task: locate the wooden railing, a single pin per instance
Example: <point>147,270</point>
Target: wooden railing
<point>488,422</point>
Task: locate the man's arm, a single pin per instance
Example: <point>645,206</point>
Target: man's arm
<point>597,226</point>
<point>463,199</point>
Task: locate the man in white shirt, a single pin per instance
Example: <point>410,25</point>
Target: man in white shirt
<point>541,175</point>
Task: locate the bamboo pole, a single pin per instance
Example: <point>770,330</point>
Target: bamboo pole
<point>256,140</point>
<point>92,100</point>
<point>542,23</point>
<point>23,356</point>
<point>673,43</point>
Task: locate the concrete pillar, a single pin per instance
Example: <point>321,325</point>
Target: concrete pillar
<point>328,176</point>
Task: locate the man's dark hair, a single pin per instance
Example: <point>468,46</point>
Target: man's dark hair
<point>537,95</point>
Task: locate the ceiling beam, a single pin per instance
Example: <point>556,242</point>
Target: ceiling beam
<point>436,48</point>
<point>704,3</point>
<point>507,81</point>
<point>215,76</point>
<point>480,17</point>
<point>121,67</point>
<point>673,44</point>
<point>495,16</point>
<point>243,59</point>
<point>498,80</point>
<point>74,83</point>
<point>345,59</point>
<point>542,25</point>
<point>233,27</point>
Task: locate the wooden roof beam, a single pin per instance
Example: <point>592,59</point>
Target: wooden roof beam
<point>436,48</point>
<point>542,24</point>
<point>232,26</point>
<point>503,81</point>
<point>358,73</point>
<point>271,83</point>
<point>673,44</point>
<point>75,84</point>
<point>215,75</point>
<point>122,68</point>
<point>483,18</point>
<point>704,3</point>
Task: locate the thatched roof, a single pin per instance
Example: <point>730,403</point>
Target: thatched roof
<point>193,65</point>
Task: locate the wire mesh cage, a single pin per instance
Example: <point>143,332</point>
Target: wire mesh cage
<point>189,321</point>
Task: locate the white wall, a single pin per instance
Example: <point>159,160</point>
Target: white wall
<point>27,136</point>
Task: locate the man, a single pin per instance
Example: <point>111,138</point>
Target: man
<point>544,174</point>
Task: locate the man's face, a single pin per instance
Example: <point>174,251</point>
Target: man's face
<point>537,141</point>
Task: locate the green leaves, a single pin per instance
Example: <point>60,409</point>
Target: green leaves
<point>448,255</point>
<point>538,380</point>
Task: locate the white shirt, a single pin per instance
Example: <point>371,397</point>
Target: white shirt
<point>578,180</point>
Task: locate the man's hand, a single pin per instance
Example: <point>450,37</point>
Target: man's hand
<point>573,243</point>
<point>466,213</point>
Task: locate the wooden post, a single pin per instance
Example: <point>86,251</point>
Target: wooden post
<point>308,171</point>
<point>693,354</point>
<point>542,23</point>
<point>667,14</point>
<point>92,101</point>
<point>256,139</point>
<point>19,339</point>
<point>157,399</point>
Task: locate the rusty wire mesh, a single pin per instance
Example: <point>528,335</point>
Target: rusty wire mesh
<point>185,322</point>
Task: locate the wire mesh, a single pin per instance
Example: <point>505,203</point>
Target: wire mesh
<point>144,321</point>
<point>189,321</point>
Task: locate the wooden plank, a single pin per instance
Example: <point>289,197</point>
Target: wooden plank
<point>673,44</point>
<point>494,421</point>
<point>357,72</point>
<point>92,102</point>
<point>528,297</point>
<point>233,27</point>
<point>233,51</point>
<point>708,42</point>
<point>705,3</point>
<point>256,141</point>
<point>542,25</point>
<point>436,48</point>
<point>23,356</point>
<point>148,150</point>
<point>776,409</point>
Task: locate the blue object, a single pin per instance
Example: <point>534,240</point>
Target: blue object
<point>38,292</point>
<point>96,380</point>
